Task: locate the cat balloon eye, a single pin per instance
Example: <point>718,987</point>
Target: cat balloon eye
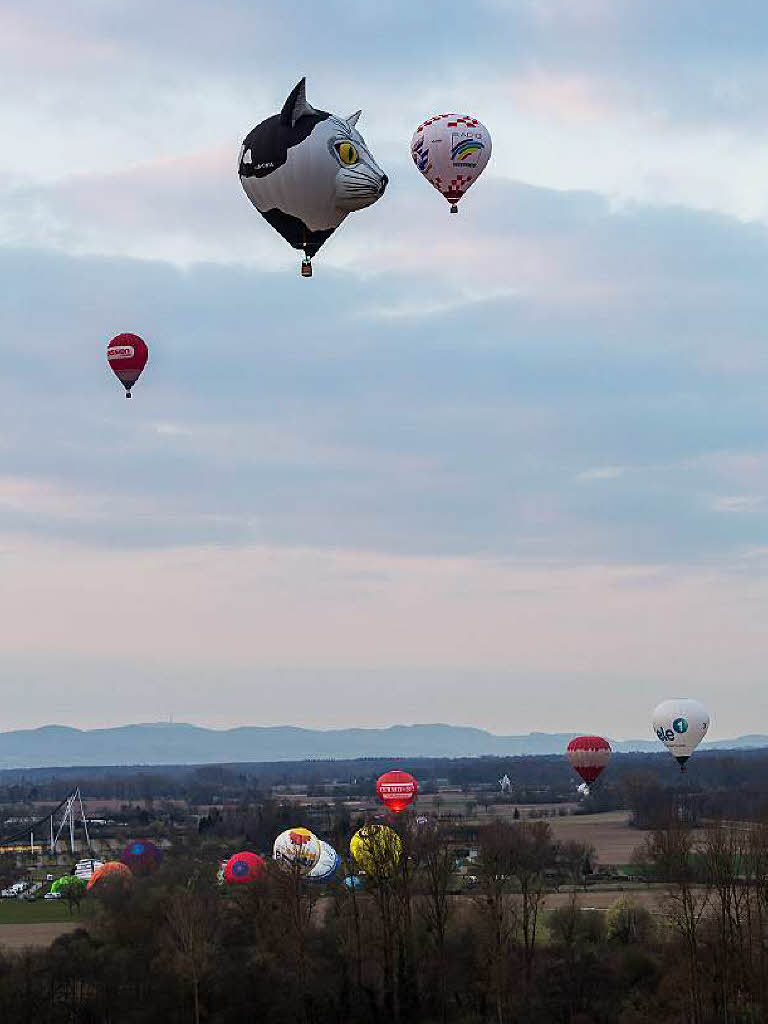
<point>347,153</point>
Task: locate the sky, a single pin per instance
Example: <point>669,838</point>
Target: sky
<point>505,469</point>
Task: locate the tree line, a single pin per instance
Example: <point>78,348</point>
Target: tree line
<point>404,949</point>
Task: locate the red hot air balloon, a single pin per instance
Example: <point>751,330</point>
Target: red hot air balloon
<point>127,354</point>
<point>588,756</point>
<point>396,790</point>
<point>243,868</point>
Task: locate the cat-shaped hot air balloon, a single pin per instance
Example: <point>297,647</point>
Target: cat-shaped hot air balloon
<point>305,169</point>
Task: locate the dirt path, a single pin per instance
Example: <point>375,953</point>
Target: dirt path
<point>23,936</point>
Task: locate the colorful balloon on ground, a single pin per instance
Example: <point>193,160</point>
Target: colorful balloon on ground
<point>68,883</point>
<point>588,756</point>
<point>376,849</point>
<point>243,868</point>
<point>142,856</point>
<point>113,873</point>
<point>305,169</point>
<point>451,151</point>
<point>396,790</point>
<point>327,864</point>
<point>681,724</point>
<point>127,355</point>
<point>297,847</point>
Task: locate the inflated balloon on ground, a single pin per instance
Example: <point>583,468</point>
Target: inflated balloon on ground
<point>297,848</point>
<point>68,884</point>
<point>113,874</point>
<point>376,849</point>
<point>142,856</point>
<point>327,864</point>
<point>243,868</point>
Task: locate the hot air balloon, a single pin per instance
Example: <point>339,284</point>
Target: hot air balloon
<point>327,864</point>
<point>243,868</point>
<point>297,848</point>
<point>681,724</point>
<point>305,169</point>
<point>111,874</point>
<point>68,882</point>
<point>127,354</point>
<point>451,151</point>
<point>376,849</point>
<point>142,856</point>
<point>588,756</point>
<point>396,790</point>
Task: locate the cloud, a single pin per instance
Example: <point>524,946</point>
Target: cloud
<point>390,408</point>
<point>520,451</point>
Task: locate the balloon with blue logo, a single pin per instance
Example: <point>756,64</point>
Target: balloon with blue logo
<point>243,868</point>
<point>142,856</point>
<point>681,724</point>
<point>451,151</point>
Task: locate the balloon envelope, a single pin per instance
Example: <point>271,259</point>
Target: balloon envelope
<point>396,790</point>
<point>142,856</point>
<point>305,169</point>
<point>451,152</point>
<point>376,849</point>
<point>112,873</point>
<point>61,885</point>
<point>127,355</point>
<point>297,847</point>
<point>327,864</point>
<point>588,756</point>
<point>243,868</point>
<point>681,724</point>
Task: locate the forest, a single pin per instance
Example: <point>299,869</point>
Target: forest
<point>523,945</point>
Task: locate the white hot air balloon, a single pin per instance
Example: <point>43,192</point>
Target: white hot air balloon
<point>297,848</point>
<point>451,151</point>
<point>327,864</point>
<point>681,724</point>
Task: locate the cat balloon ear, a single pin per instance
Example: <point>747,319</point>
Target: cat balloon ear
<point>353,118</point>
<point>296,105</point>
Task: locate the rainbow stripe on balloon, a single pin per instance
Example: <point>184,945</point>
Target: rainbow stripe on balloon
<point>465,149</point>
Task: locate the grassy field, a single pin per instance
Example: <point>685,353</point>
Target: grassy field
<point>37,912</point>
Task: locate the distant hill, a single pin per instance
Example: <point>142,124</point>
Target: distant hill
<point>166,744</point>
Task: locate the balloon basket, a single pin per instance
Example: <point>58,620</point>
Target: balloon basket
<point>306,268</point>
<point>454,208</point>
<point>127,394</point>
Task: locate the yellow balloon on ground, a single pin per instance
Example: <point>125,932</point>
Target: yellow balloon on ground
<point>376,849</point>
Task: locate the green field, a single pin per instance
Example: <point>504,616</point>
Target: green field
<point>37,912</point>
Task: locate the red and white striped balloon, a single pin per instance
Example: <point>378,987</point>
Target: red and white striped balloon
<point>588,756</point>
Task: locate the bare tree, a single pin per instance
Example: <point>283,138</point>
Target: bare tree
<point>191,934</point>
<point>437,862</point>
<point>670,853</point>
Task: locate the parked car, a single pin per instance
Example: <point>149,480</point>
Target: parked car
<point>52,896</point>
